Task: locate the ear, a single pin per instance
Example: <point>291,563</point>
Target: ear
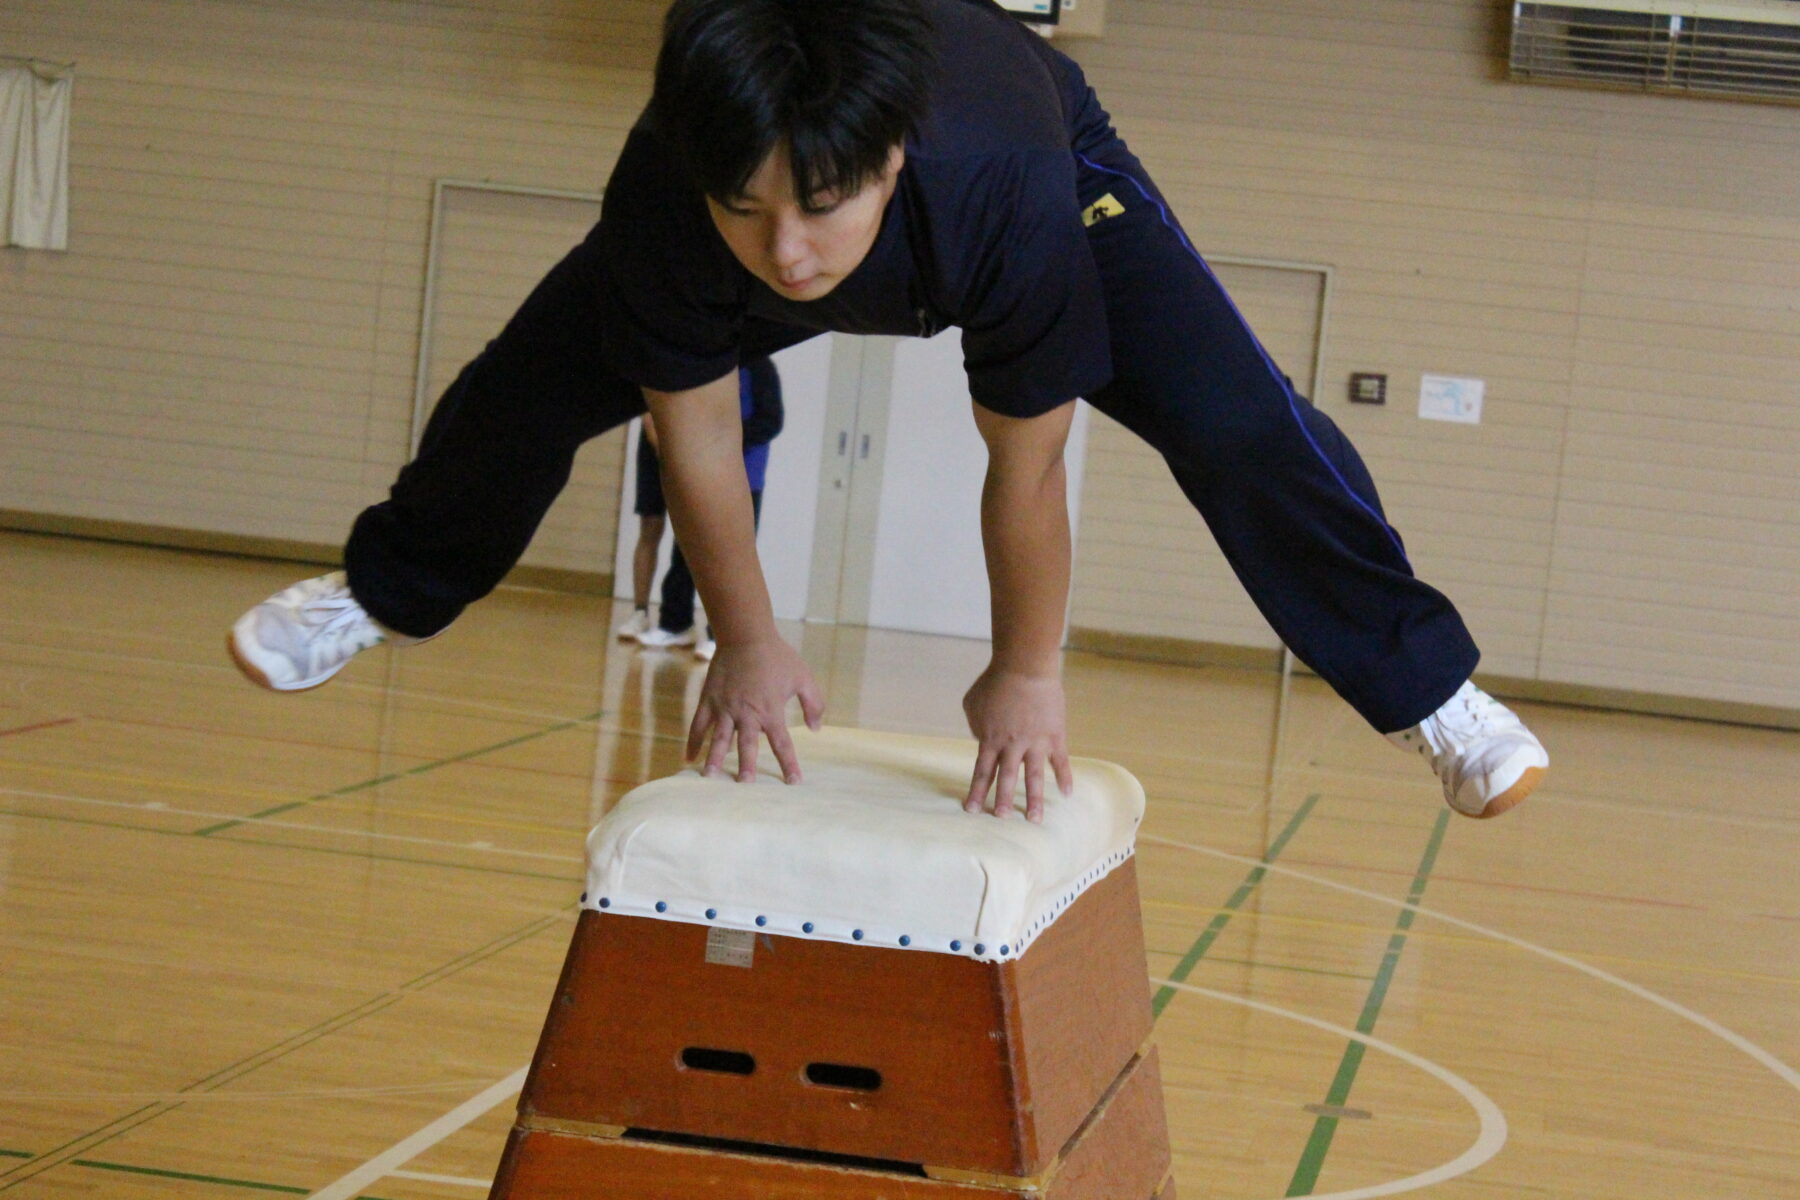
<point>896,159</point>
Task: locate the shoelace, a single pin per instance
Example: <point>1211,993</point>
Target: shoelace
<point>1468,718</point>
<point>338,614</point>
<point>335,618</point>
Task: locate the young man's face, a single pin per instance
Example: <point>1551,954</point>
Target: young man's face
<point>802,254</point>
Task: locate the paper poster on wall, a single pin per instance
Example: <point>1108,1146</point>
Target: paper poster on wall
<point>1447,398</point>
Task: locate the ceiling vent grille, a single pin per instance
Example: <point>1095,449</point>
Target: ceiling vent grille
<point>1747,48</point>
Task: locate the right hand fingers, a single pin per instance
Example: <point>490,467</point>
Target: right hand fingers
<point>697,730</point>
<point>783,746</point>
<point>721,744</point>
<point>1034,786</point>
<point>1065,774</point>
<point>812,706</point>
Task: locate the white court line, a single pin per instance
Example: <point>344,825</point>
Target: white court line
<point>158,806</point>
<point>236,1097</point>
<point>452,1180</point>
<point>1488,1139</point>
<point>401,1153</point>
<point>1784,1072</point>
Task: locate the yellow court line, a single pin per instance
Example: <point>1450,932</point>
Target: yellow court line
<point>1464,939</point>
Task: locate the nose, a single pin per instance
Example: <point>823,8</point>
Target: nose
<point>789,246</point>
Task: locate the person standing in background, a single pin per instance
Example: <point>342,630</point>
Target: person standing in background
<point>759,404</point>
<point>653,517</point>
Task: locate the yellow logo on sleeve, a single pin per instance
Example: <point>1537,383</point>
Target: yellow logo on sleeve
<point>1106,206</point>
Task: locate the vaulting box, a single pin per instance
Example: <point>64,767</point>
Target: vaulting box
<point>850,987</point>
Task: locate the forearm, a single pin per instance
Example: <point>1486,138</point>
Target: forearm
<point>701,449</point>
<point>1025,536</point>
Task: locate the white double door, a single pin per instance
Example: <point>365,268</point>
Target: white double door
<point>872,509</point>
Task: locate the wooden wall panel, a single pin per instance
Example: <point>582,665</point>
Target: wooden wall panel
<point>1622,270</point>
<point>493,249</point>
<point>229,345</point>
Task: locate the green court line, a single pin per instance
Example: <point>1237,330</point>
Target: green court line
<point>188,1176</point>
<point>391,776</point>
<point>72,1141</point>
<point>1312,1158</point>
<point>162,1174</point>
<point>280,1049</point>
<point>357,854</point>
<point>504,941</point>
<point>193,1178</point>
<point>38,1164</point>
<point>1204,942</point>
<point>1270,966</point>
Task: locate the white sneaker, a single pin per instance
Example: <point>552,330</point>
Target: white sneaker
<point>635,626</point>
<point>705,650</point>
<point>659,637</point>
<point>1485,756</point>
<point>299,638</point>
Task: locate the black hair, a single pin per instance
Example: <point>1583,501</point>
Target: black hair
<point>839,82</point>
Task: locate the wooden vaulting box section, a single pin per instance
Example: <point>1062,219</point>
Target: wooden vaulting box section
<point>825,1065</point>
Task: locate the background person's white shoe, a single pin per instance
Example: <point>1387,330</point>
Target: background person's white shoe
<point>1486,758</point>
<point>705,650</point>
<point>659,638</point>
<point>635,626</point>
<point>300,637</point>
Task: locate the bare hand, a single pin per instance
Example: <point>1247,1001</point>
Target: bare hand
<point>1020,722</point>
<point>745,698</point>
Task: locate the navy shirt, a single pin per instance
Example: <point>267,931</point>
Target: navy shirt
<point>983,231</point>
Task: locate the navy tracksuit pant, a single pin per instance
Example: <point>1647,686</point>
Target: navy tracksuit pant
<point>1282,490</point>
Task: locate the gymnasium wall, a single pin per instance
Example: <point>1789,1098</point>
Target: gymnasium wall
<point>231,343</point>
<point>1622,270</point>
<point>229,347</point>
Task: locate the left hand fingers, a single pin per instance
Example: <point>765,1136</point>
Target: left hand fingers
<point>980,781</point>
<point>1034,785</point>
<point>747,738</point>
<point>1006,781</point>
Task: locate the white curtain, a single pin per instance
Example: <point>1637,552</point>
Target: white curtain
<point>34,155</point>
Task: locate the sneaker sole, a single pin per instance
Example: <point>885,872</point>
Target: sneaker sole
<point>255,675</point>
<point>1511,797</point>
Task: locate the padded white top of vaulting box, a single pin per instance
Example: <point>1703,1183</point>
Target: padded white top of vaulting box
<point>873,847</point>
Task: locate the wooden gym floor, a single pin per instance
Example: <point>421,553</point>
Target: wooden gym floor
<point>256,944</point>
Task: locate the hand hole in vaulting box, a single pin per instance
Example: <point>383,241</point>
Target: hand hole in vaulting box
<point>838,1075</point>
<point>725,1062</point>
